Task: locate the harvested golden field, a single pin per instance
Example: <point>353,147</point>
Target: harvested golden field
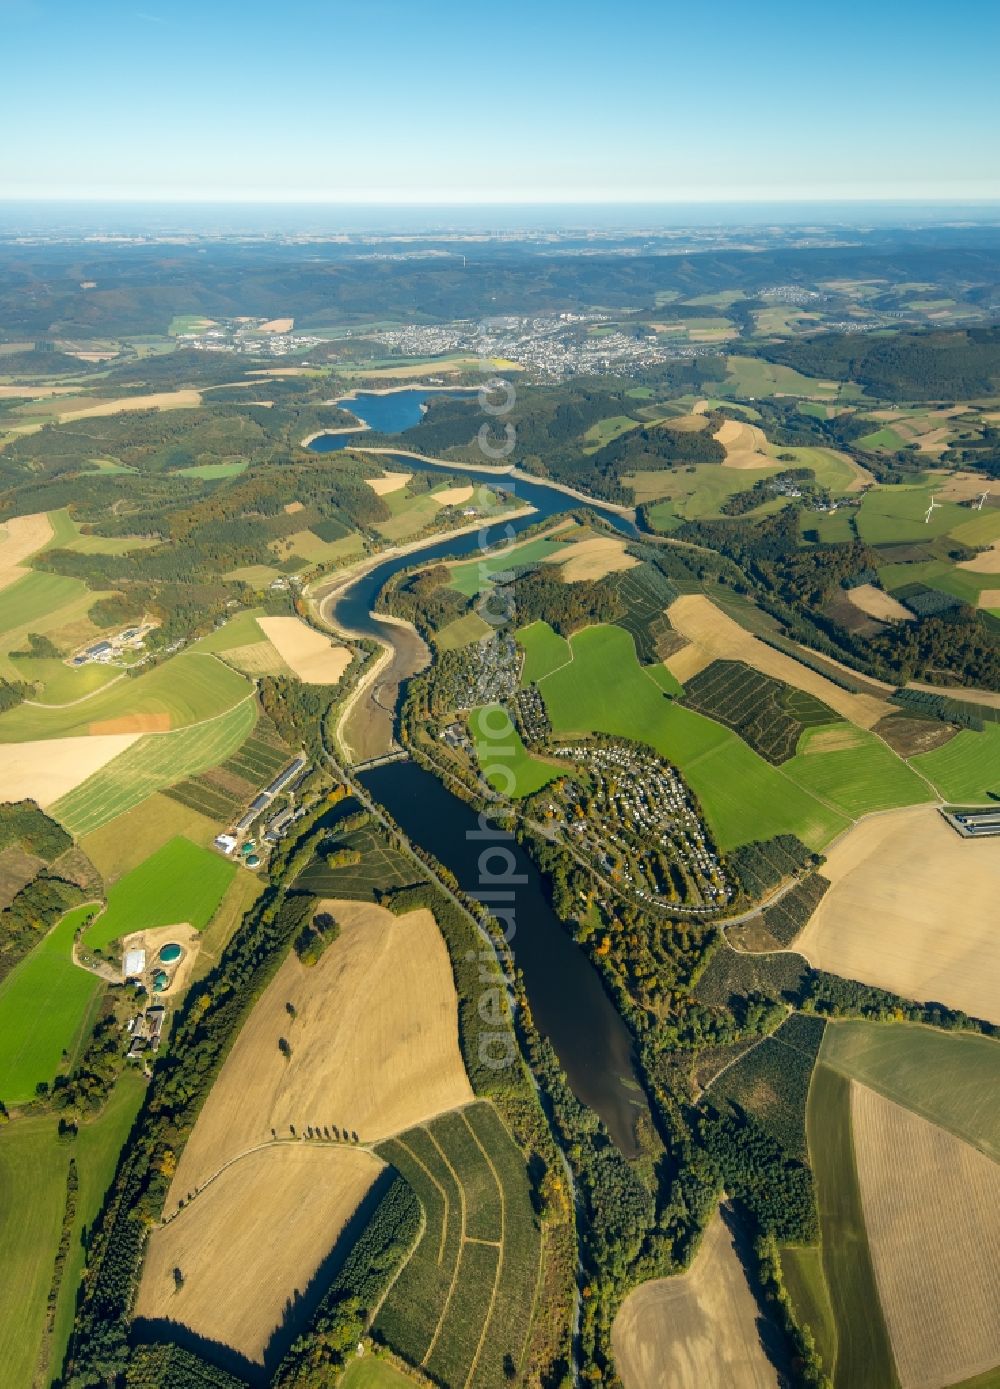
<point>962,487</point>
<point>311,655</point>
<point>685,663</point>
<point>745,445</point>
<point>374,1044</point>
<point>932,1214</point>
<point>837,737</point>
<point>690,424</point>
<point>987,562</point>
<point>24,392</point>
<point>276,372</point>
<point>20,537</point>
<point>185,399</point>
<point>277,325</point>
<point>44,771</point>
<point>592,559</point>
<point>700,621</point>
<point>878,604</point>
<point>453,496</point>
<point>131,723</point>
<point>252,1240</point>
<point>912,909</point>
<point>389,482</point>
<point>990,599</point>
<point>694,1331</point>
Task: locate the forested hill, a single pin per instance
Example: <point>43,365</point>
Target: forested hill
<point>138,289</point>
<point>944,366</point>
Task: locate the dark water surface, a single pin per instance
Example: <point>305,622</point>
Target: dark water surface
<point>386,414</point>
<point>567,998</point>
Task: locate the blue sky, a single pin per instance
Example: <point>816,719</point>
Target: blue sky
<point>547,101</point>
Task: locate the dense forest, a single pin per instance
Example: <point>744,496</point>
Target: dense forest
<point>140,288</point>
<point>940,366</point>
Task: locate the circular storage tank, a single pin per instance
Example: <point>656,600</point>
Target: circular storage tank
<point>160,981</point>
<point>170,954</point>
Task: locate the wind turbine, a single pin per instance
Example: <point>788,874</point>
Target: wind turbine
<point>979,505</point>
<point>930,509</point>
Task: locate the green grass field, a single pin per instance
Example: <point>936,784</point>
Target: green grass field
<point>753,376</point>
<point>410,514</point>
<point>982,528</point>
<point>696,493</point>
<point>832,528</point>
<point>180,882</point>
<point>372,1373</point>
<point>37,597</point>
<point>241,630</point>
<point>60,683</point>
<point>156,761</point>
<point>50,604</point>
<point>882,440</point>
<point>210,472</point>
<point>504,760</point>
<point>33,1170</point>
<point>544,651</point>
<point>937,573</point>
<point>864,1355</point>
<point>67,535</point>
<point>125,842</point>
<point>699,492</point>
<point>477,574</point>
<point>966,769</point>
<point>45,1003</point>
<point>186,690</point>
<point>604,431</point>
<point>889,515</point>
<point>604,689</point>
<point>462,632</point>
<point>859,779</point>
<point>187,323</point>
<point>33,1167</point>
<point>949,1078</point>
<point>833,470</point>
<point>802,1269</point>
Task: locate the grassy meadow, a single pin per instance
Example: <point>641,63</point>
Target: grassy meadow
<point>892,515</point>
<point>544,651</point>
<point>33,1170</point>
<point>505,761</point>
<point>476,575</point>
<point>155,761</point>
<point>46,1003</point>
<point>180,882</point>
<point>967,767</point>
<point>604,689</point>
<point>864,1355</point>
<point>864,777</point>
<point>949,1078</point>
<point>187,689</point>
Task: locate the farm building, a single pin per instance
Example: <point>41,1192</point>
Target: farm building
<point>974,824</point>
<point>283,778</point>
<point>258,804</point>
<point>134,963</point>
<point>225,843</point>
